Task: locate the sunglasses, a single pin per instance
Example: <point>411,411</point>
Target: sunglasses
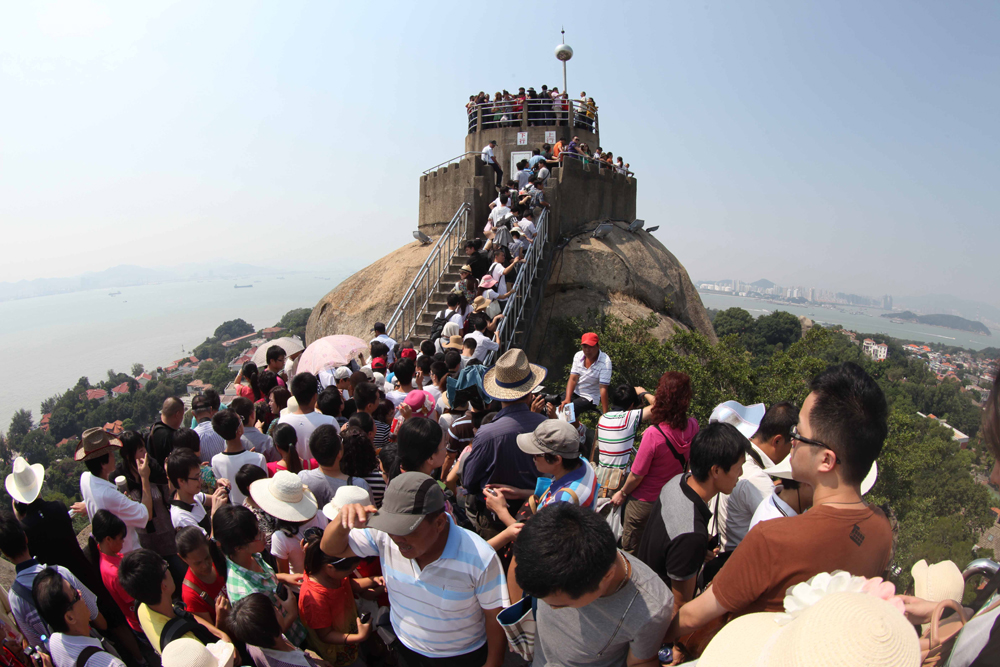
<point>809,441</point>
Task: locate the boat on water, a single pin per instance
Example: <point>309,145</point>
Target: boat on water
<point>114,293</point>
<point>241,286</point>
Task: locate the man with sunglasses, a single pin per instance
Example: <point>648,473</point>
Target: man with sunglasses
<point>842,427</point>
<point>64,608</point>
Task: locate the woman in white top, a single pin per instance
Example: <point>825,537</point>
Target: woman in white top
<point>450,329</point>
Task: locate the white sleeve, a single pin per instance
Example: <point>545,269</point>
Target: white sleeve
<point>605,377</point>
<point>279,544</point>
<point>133,513</point>
<point>577,367</point>
<point>488,345</point>
<point>363,542</point>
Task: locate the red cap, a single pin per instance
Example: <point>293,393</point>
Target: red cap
<point>590,338</point>
<point>408,353</point>
<point>378,364</point>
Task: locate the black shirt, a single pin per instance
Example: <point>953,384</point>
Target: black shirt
<point>676,538</point>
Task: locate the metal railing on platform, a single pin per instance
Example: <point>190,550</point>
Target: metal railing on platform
<point>428,279</point>
<point>457,158</point>
<point>532,112</point>
<point>601,164</point>
<point>515,311</point>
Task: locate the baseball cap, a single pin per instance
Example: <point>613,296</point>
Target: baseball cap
<point>378,364</point>
<point>408,353</point>
<point>552,436</point>
<point>407,500</point>
<point>342,373</point>
<point>590,338</point>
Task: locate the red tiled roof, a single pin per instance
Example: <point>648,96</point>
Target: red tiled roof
<point>145,376</point>
<point>64,441</point>
<point>115,427</point>
<point>121,389</point>
<point>273,330</point>
<point>95,394</point>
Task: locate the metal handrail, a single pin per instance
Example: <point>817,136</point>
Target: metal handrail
<point>983,566</point>
<point>537,112</point>
<point>600,163</point>
<point>407,314</point>
<point>454,159</point>
<point>515,308</point>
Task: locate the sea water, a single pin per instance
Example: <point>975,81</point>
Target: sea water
<point>49,342</point>
<point>869,321</point>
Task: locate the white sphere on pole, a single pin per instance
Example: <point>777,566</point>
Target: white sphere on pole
<point>564,52</point>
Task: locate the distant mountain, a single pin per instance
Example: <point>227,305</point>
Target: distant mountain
<point>125,275</point>
<point>950,304</point>
<point>763,283</point>
<point>939,320</point>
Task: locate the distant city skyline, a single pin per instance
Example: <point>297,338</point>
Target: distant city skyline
<point>855,143</point>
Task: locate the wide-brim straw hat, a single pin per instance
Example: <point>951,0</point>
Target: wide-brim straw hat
<point>95,442</point>
<point>840,630</point>
<point>512,378</point>
<point>284,497</point>
<point>345,495</point>
<point>466,268</point>
<point>455,343</point>
<point>480,303</point>
<point>185,652</point>
<point>24,483</point>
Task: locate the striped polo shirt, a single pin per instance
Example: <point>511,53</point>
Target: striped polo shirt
<point>616,437</point>
<point>438,611</point>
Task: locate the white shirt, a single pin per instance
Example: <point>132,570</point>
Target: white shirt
<point>65,649</point>
<point>211,442</point>
<point>483,344</point>
<point>261,443</point>
<point>488,155</point>
<point>528,228</point>
<point>496,270</point>
<point>591,379</point>
<point>182,515</point>
<point>100,494</point>
<point>396,396</point>
<point>226,465</point>
<point>304,426</point>
<point>290,548</point>
<point>771,507</point>
<point>496,215</point>
<point>616,437</point>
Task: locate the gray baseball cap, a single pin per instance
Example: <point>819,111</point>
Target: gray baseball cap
<point>552,436</point>
<point>408,499</point>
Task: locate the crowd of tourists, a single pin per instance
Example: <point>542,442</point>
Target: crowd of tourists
<point>544,107</point>
<point>418,507</point>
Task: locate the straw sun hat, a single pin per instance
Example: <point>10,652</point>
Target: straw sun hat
<point>513,377</point>
<point>184,652</point>
<point>345,495</point>
<point>25,481</point>
<point>842,629</point>
<point>284,497</point>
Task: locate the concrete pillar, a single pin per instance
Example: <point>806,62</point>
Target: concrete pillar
<point>479,118</point>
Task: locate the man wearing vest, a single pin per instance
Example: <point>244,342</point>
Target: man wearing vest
<point>63,607</point>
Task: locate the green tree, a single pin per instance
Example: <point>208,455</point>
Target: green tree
<point>779,328</point>
<point>63,424</point>
<point>733,321</point>
<point>20,424</point>
<point>138,369</point>
<point>295,322</point>
<point>232,329</point>
<point>49,404</point>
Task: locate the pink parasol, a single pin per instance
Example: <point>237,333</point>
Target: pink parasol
<point>330,352</point>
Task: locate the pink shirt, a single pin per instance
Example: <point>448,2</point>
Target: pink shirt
<point>654,460</point>
<point>109,575</point>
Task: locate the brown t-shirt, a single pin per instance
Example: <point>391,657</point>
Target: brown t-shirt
<point>780,553</point>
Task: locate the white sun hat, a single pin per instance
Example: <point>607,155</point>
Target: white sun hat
<point>746,418</point>
<point>184,652</point>
<point>24,483</point>
<point>284,497</point>
<point>783,470</point>
<point>843,629</point>
<point>940,581</point>
<point>345,495</point>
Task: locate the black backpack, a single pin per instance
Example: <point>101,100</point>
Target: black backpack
<point>437,326</point>
<point>182,624</point>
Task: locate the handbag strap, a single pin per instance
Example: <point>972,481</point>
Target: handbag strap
<point>680,458</point>
<point>936,619</point>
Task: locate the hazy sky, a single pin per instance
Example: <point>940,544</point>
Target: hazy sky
<point>847,145</point>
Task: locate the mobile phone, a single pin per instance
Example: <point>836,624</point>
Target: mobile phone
<point>281,591</point>
<point>365,617</point>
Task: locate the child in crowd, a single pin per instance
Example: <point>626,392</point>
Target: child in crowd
<point>146,577</point>
<point>359,458</point>
<point>293,507</point>
<point>286,441</point>
<point>188,506</point>
<point>326,603</point>
<point>246,476</point>
<point>205,580</point>
<point>106,539</point>
<point>228,425</point>
<point>256,622</point>
<point>189,439</point>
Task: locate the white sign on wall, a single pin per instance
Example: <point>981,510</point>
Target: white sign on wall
<point>522,138</point>
<point>515,157</point>
<point>550,137</point>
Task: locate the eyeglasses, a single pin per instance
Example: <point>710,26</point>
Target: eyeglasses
<point>809,441</point>
<point>74,598</point>
<point>193,479</point>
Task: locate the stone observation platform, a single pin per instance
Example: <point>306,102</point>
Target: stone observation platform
<point>569,270</point>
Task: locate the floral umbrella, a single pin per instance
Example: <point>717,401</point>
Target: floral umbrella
<point>330,352</point>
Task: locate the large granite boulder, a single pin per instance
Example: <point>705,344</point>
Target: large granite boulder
<point>370,295</point>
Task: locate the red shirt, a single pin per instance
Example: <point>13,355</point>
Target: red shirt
<point>321,607</point>
<point>275,466</point>
<point>109,575</point>
<point>196,603</point>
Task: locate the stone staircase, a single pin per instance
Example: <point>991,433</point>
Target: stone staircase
<point>439,300</point>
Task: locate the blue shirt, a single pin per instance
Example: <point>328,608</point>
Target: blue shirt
<point>495,456</point>
<point>535,160</point>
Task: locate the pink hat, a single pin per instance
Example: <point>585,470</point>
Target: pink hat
<point>488,281</point>
<point>420,402</point>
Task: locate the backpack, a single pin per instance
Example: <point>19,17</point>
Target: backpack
<point>182,624</point>
<point>437,326</point>
<point>86,653</point>
<point>677,455</point>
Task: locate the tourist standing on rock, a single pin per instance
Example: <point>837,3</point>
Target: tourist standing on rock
<point>589,377</point>
<point>663,454</point>
<point>381,337</point>
<point>496,458</point>
<point>490,159</point>
<point>161,434</point>
<point>616,431</point>
<point>204,409</point>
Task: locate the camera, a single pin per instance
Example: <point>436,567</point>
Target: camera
<point>555,399</point>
